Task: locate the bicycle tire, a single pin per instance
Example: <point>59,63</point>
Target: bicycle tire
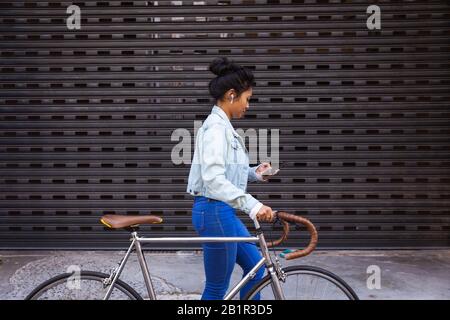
<point>308,270</point>
<point>84,275</point>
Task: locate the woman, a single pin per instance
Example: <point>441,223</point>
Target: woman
<point>218,179</point>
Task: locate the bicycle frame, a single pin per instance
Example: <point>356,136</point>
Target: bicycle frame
<point>136,241</point>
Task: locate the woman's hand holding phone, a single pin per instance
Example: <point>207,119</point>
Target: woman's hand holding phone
<point>266,171</point>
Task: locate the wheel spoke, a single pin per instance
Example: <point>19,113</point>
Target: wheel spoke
<point>304,282</point>
<point>89,286</point>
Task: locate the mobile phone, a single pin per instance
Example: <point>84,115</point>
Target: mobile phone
<point>270,172</point>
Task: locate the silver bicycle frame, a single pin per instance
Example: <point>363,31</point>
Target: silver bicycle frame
<point>266,260</point>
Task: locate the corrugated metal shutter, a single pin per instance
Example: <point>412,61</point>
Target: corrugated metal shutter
<point>87,115</point>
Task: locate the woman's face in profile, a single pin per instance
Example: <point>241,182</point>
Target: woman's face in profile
<point>240,105</point>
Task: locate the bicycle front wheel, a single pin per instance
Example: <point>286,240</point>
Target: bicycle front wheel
<point>305,283</point>
<point>88,285</point>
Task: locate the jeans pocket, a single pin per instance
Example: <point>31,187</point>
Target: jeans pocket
<point>198,220</point>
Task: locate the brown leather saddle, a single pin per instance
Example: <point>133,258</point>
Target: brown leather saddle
<point>116,221</point>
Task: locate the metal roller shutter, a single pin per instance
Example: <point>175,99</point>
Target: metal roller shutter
<point>87,115</point>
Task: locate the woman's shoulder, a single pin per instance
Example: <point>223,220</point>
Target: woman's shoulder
<point>217,129</point>
<point>213,120</point>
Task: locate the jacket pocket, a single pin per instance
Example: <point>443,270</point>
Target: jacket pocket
<point>235,144</point>
<point>236,149</point>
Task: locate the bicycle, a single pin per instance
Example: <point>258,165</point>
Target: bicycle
<point>277,284</point>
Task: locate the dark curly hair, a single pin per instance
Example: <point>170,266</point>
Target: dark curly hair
<point>229,76</point>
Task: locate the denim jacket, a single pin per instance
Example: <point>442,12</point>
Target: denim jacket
<point>220,166</point>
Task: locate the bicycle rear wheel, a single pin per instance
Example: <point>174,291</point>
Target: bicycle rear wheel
<point>306,283</point>
<point>88,286</point>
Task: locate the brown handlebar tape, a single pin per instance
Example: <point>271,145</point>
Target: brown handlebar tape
<point>284,216</point>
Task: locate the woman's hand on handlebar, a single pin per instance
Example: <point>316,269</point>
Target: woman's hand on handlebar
<point>265,214</point>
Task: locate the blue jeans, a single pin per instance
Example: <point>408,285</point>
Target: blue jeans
<point>212,218</point>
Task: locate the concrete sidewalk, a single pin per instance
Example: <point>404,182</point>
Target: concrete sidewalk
<point>405,274</point>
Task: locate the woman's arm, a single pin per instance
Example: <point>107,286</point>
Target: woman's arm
<point>252,175</point>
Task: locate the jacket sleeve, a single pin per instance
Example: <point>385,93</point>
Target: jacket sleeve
<point>252,175</point>
<point>213,151</point>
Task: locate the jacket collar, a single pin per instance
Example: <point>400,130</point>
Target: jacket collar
<point>219,111</point>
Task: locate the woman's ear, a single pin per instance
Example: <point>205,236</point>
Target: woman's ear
<point>232,95</point>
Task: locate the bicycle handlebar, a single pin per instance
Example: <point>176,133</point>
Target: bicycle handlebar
<point>287,217</point>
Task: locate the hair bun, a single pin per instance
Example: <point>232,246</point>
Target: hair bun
<point>222,66</point>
